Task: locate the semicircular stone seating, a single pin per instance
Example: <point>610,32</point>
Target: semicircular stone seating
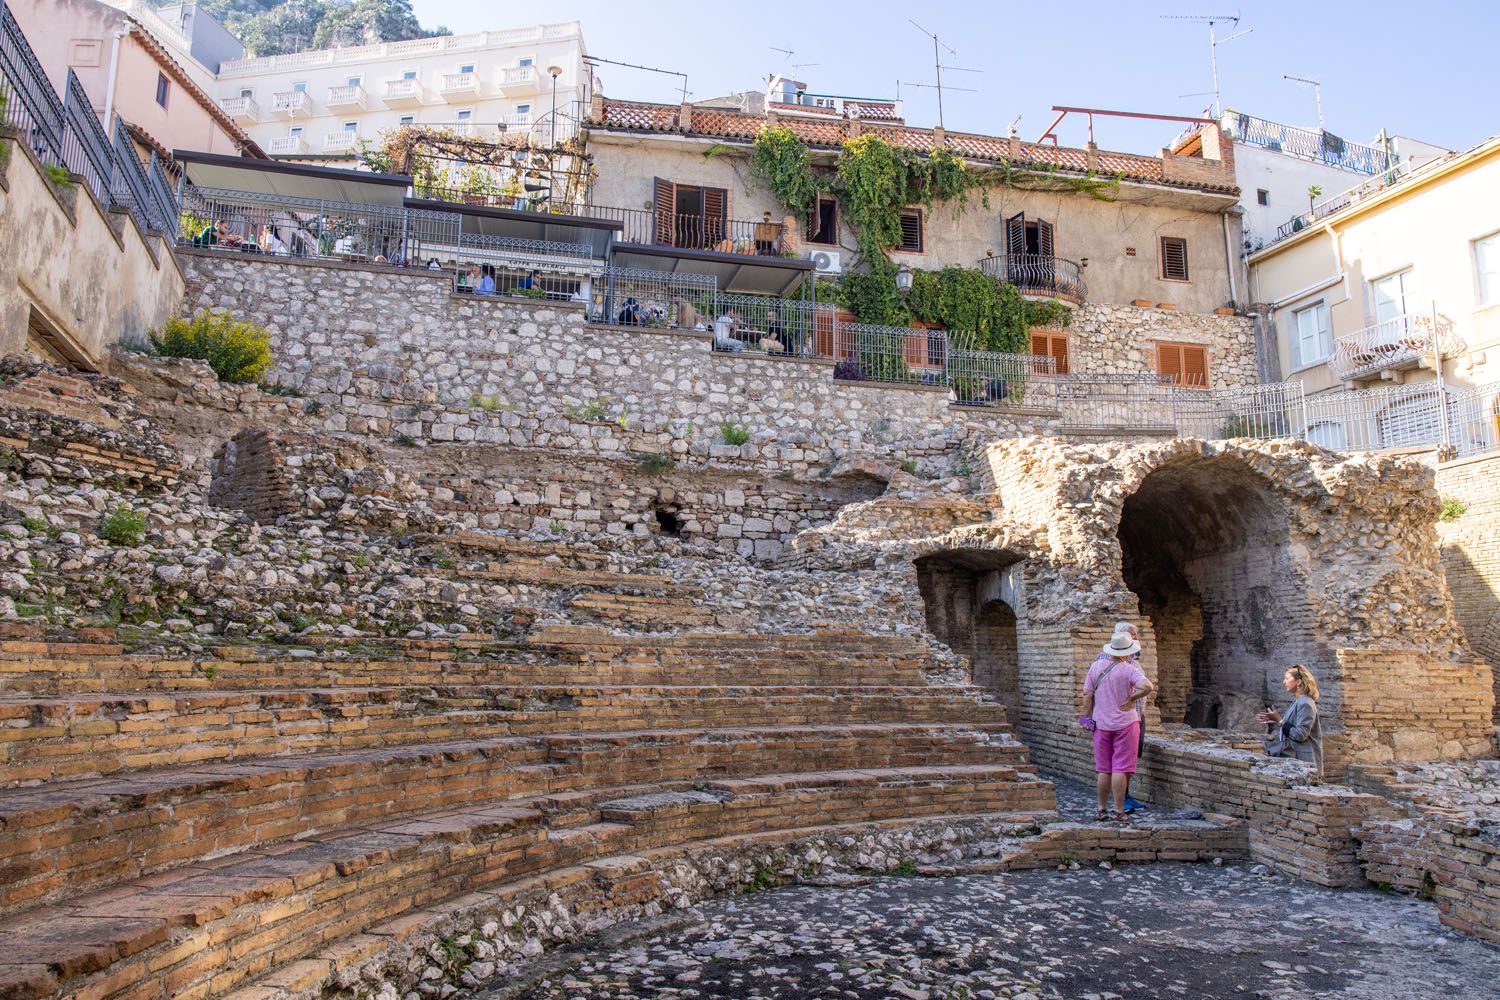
<point>196,827</point>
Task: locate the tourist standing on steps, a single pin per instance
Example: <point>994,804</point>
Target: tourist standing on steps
<point>1131,805</point>
<point>1298,734</point>
<point>1111,692</point>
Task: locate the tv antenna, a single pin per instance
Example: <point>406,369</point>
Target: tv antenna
<point>592,61</point>
<point>938,67</point>
<point>1213,20</point>
<point>1317,95</point>
<point>789,53</point>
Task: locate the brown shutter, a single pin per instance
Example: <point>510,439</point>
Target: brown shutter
<point>911,230</point>
<point>1039,346</point>
<point>1015,233</point>
<point>1195,366</point>
<point>715,211</point>
<point>1044,237</point>
<point>665,204</point>
<point>1169,361</point>
<point>1060,352</point>
<point>1174,263</point>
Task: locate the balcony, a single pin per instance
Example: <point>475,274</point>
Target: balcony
<point>243,110</point>
<point>467,128</point>
<point>342,141</point>
<point>291,102</point>
<point>1036,276</point>
<point>404,93</point>
<point>288,145</point>
<point>1385,350</point>
<point>519,81</point>
<point>459,87</point>
<point>350,97</point>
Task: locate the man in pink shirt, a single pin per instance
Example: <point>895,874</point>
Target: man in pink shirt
<point>1115,683</point>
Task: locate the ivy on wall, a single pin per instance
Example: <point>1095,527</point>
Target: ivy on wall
<point>874,181</point>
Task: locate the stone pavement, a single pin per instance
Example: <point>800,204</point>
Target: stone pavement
<point>1151,931</point>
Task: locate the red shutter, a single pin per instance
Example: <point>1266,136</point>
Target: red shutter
<point>715,210</point>
<point>1169,361</point>
<point>1053,345</point>
<point>665,205</point>
<point>1195,366</point>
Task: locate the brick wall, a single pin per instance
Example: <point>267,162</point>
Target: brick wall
<point>1471,552</point>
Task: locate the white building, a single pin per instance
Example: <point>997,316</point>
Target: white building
<point>316,104</point>
<point>1277,165</point>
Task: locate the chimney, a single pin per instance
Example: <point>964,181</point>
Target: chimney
<point>685,117</point>
<point>1091,156</point>
<point>596,107</point>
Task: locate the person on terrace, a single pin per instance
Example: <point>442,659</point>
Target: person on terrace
<point>1111,692</point>
<point>486,281</point>
<point>1298,734</point>
<point>725,328</point>
<point>1131,805</point>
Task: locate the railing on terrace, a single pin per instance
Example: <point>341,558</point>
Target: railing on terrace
<point>341,141</point>
<point>291,101</point>
<point>85,146</point>
<point>346,94</point>
<point>538,269</point>
<point>32,107</point>
<point>1405,341</point>
<point>1056,277</point>
<point>1102,404</point>
<point>163,199</point>
<point>867,352</point>
<point>628,296</point>
<point>1339,202</point>
<point>776,326</point>
<point>129,186</point>
<point>1271,410</point>
<point>241,107</point>
<point>250,222</point>
<point>694,231</point>
<point>1405,416</point>
<point>385,50</point>
<point>988,378</point>
<point>1306,144</point>
<point>1474,420</point>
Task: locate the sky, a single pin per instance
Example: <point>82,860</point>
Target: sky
<point>1423,69</point>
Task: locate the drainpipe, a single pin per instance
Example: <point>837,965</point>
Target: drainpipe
<point>1230,260</point>
<point>114,66</point>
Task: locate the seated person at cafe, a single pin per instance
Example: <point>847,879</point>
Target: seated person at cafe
<point>630,313</point>
<point>208,237</point>
<point>486,281</point>
<point>530,281</point>
<point>684,315</point>
<point>269,242</point>
<point>725,328</point>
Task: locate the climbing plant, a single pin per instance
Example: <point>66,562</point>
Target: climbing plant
<point>781,160</point>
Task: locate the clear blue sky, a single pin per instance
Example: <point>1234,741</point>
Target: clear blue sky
<point>1425,69</point>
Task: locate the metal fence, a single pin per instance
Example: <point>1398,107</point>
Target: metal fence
<point>1474,420</point>
<point>1251,411</point>
<point>668,300</point>
<point>775,326</point>
<point>538,269</point>
<point>85,147</point>
<point>988,378</point>
<point>866,352</point>
<point>1055,276</point>
<point>1307,144</point>
<point>32,107</point>
<point>1360,192</point>
<point>1117,403</point>
<point>162,196</point>
<point>1405,416</point>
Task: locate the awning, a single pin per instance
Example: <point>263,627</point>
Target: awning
<point>737,272</point>
<point>516,224</point>
<point>291,180</point>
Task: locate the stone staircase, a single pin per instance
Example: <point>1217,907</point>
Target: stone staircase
<point>250,820</point>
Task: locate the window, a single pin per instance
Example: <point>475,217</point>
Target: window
<point>911,230</point>
<point>1023,236</point>
<point>1311,340</point>
<point>1262,196</point>
<point>246,92</point>
<point>162,86</point>
<point>523,109</point>
<point>1186,363</point>
<point>408,74</point>
<point>354,81</point>
<point>466,68</point>
<point>1055,345</point>
<point>823,223</point>
<point>465,115</point>
<point>689,216</point>
<point>351,126</point>
<point>523,62</point>
<point>300,87</point>
<point>1174,264</point>
<point>1487,264</point>
<point>408,120</point>
<point>294,131</point>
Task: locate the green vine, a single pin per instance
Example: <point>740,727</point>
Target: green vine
<point>781,160</point>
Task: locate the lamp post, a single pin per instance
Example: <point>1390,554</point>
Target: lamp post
<point>555,71</point>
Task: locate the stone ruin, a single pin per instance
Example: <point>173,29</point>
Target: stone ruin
<point>336,729</point>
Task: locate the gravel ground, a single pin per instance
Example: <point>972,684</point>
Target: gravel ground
<point>1163,930</point>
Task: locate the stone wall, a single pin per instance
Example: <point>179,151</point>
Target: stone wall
<point>1471,551</point>
<point>86,276</point>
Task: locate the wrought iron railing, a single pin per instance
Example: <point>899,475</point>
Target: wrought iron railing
<point>774,326</point>
<point>1306,144</point>
<point>1399,342</point>
<point>85,148</point>
<point>537,269</point>
<point>1271,410</point>
<point>989,378</point>
<point>162,196</point>
<point>1057,277</point>
<point>668,300</point>
<point>867,352</point>
<point>129,186</point>
<point>32,107</point>
<point>1474,420</point>
<point>1360,192</point>
<point>689,231</point>
<point>1117,403</point>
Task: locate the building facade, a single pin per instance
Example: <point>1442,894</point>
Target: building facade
<point>1400,270</point>
<point>318,104</point>
<point>134,64</point>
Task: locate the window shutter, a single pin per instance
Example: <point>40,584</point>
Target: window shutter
<point>1174,258</point>
<point>1054,345</point>
<point>1169,361</point>
<point>1039,344</point>
<point>715,210</point>
<point>1015,233</point>
<point>911,230</point>
<point>1194,366</point>
<point>1044,237</point>
<point>664,201</point>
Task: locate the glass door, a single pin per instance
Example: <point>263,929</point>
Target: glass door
<point>1391,298</point>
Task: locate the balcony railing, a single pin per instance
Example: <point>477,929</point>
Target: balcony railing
<point>460,84</point>
<point>1400,343</point>
<point>517,79</point>
<point>286,145</point>
<point>1053,277</point>
<point>342,141</point>
<point>290,102</point>
<point>1360,192</point>
<point>1306,144</point>
<point>694,232</point>
<point>242,109</point>
<point>403,92</point>
<point>351,96</point>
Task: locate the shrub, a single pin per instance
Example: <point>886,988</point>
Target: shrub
<point>1453,509</point>
<point>656,465</point>
<point>735,434</point>
<point>123,526</point>
<point>61,176</point>
<point>237,350</point>
<point>593,410</point>
<point>909,467</point>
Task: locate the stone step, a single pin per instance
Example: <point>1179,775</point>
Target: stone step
<point>202,930</point>
<point>52,738</point>
<point>68,837</point>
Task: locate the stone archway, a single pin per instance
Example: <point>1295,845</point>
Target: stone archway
<point>971,601</point>
<point>1205,547</point>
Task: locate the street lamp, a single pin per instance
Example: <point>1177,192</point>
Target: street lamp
<point>903,279</point>
<point>555,71</point>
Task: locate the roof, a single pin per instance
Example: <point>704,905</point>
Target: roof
<point>637,116</point>
<point>736,272</point>
<point>291,180</point>
<point>514,223</point>
<point>151,44</point>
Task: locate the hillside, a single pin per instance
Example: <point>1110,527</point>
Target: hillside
<point>269,27</point>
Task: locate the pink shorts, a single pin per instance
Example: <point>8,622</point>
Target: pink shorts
<point>1116,750</point>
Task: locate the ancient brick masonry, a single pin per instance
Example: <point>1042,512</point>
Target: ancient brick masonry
<point>1471,551</point>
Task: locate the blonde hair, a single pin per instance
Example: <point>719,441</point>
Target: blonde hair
<point>1306,679</point>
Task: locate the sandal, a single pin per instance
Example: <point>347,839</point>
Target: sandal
<point>1120,817</point>
<point>1101,816</point>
